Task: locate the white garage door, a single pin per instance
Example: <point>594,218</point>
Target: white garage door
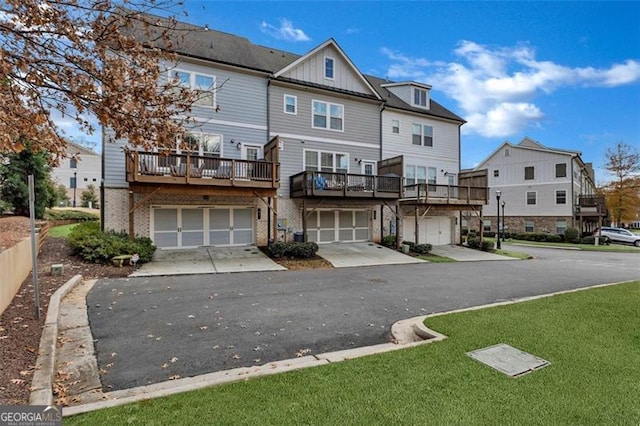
<point>176,227</point>
<point>328,226</point>
<point>433,230</point>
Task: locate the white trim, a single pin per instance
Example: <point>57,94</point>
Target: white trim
<point>192,84</point>
<point>364,162</point>
<point>223,122</point>
<point>333,68</point>
<point>415,89</point>
<point>328,116</point>
<point>324,140</point>
<point>526,200</point>
<point>566,197</point>
<point>295,104</point>
<point>320,152</point>
<point>243,150</point>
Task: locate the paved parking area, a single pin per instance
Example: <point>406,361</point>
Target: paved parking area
<point>464,254</point>
<point>344,255</point>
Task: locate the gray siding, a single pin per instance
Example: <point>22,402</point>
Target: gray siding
<point>242,116</point>
<point>403,92</point>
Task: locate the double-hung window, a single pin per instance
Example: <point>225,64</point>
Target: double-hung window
<point>531,198</point>
<point>324,161</point>
<point>328,116</point>
<point>422,135</point>
<point>73,163</point>
<point>529,173</point>
<point>561,170</point>
<point>395,126</point>
<point>203,84</point>
<point>290,104</point>
<point>561,197</point>
<point>528,226</point>
<point>420,97</point>
<point>415,174</point>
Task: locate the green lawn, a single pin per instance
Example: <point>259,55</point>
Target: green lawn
<point>618,248</point>
<point>61,231</point>
<point>436,259</point>
<point>592,339</point>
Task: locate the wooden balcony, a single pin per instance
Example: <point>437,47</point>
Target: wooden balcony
<point>445,195</point>
<point>344,185</point>
<point>591,206</point>
<point>189,169</point>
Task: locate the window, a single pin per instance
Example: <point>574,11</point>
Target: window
<point>73,163</point>
<point>201,144</point>
<point>561,226</point>
<point>433,173</point>
<point>531,198</point>
<point>528,226</point>
<point>561,170</point>
<point>415,174</point>
<point>528,173</point>
<point>486,225</point>
<point>496,173</point>
<point>561,197</point>
<point>422,135</point>
<point>420,97</point>
<point>327,116</point>
<point>328,68</point>
<point>86,179</point>
<point>395,126</point>
<point>201,83</point>
<point>94,179</point>
<point>72,182</point>
<point>290,104</point>
<point>507,153</point>
<point>321,161</point>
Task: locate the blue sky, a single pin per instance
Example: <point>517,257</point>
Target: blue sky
<point>564,73</point>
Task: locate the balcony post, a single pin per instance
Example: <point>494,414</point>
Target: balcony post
<point>187,172</point>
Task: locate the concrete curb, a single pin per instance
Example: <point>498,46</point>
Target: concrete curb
<point>549,247</point>
<point>44,374</point>
<point>405,333</point>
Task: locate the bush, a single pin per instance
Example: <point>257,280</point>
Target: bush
<point>5,206</point>
<point>69,215</point>
<point>571,235</point>
<point>590,239</point>
<point>475,243</point>
<point>389,241</point>
<point>293,250</point>
<point>489,234</point>
<point>93,245</point>
<point>408,243</point>
<point>421,248</point>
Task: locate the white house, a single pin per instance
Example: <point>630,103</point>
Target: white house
<point>79,168</point>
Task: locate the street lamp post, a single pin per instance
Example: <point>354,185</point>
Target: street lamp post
<point>75,185</point>
<point>498,193</point>
<point>503,237</point>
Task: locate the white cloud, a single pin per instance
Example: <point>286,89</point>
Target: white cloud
<point>496,87</point>
<point>285,31</point>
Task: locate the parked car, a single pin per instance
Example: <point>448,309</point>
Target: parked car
<point>619,235</point>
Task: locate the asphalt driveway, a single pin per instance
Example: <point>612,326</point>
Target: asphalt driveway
<point>149,330</point>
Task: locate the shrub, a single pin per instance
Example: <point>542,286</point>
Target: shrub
<point>408,243</point>
<point>489,234</point>
<point>571,235</point>
<point>590,239</point>
<point>69,215</point>
<point>554,238</point>
<point>421,248</point>
<point>93,245</point>
<point>294,250</point>
<point>389,241</point>
<point>5,206</point>
<point>475,243</point>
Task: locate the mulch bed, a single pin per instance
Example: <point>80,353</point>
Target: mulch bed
<point>19,330</point>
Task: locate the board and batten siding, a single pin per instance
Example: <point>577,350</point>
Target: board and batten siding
<point>403,92</point>
<point>444,154</point>
<point>242,117</point>
<point>312,70</point>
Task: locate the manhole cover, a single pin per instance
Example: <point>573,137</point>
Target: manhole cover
<point>508,360</point>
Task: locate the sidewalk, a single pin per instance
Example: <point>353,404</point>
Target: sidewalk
<point>464,254</point>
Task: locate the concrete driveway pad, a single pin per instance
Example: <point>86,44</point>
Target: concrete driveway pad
<point>465,254</point>
<point>343,255</point>
<point>207,260</point>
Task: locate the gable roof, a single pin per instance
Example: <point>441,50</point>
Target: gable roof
<point>78,149</point>
<point>393,101</point>
<point>343,55</point>
<point>532,145</point>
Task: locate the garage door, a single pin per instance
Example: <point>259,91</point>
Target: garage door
<point>327,226</point>
<point>177,227</point>
<point>433,230</point>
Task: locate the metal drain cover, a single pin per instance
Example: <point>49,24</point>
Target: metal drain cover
<point>508,360</point>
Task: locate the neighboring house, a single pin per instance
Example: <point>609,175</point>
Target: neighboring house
<point>543,189</point>
<point>285,147</point>
<point>79,167</point>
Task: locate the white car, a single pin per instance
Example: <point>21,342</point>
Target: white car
<point>619,235</point>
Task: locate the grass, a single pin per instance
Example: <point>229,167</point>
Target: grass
<point>616,248</point>
<point>592,339</point>
<point>514,254</point>
<point>61,231</point>
<point>435,259</point>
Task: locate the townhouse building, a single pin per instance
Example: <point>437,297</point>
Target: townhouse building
<point>542,189</point>
<point>79,168</point>
<point>287,147</point>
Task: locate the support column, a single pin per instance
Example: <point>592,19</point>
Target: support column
<point>304,220</point>
<point>132,213</point>
<point>415,229</point>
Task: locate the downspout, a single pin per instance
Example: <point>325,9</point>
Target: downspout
<point>458,183</point>
<point>382,205</point>
<point>573,205</point>
<point>270,212</point>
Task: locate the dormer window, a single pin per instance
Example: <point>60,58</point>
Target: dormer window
<point>420,97</point>
<point>328,68</point>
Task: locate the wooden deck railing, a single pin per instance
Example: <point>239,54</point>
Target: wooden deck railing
<point>328,184</point>
<point>160,167</point>
<point>446,194</point>
<point>591,205</point>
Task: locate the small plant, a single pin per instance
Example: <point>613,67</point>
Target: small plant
<point>5,206</point>
<point>76,215</point>
<point>421,248</point>
<point>389,241</point>
<point>408,243</point>
<point>475,243</point>
<point>571,235</point>
<point>295,250</point>
<point>89,196</point>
